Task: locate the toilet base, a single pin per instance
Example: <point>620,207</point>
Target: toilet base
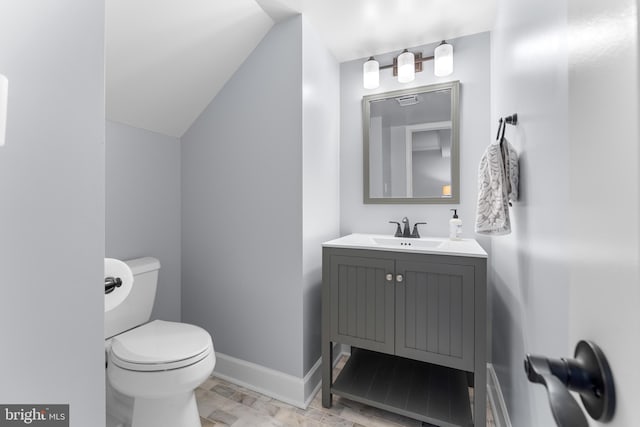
<point>119,407</point>
<point>176,410</point>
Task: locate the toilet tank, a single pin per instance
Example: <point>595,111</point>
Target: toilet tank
<point>136,308</point>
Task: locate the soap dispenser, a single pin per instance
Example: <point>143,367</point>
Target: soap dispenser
<point>455,226</point>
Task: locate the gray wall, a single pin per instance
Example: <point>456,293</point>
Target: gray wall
<point>529,269</point>
<point>471,67</point>
<point>321,176</point>
<point>143,206</point>
<point>52,206</point>
<point>260,193</point>
<point>242,208</point>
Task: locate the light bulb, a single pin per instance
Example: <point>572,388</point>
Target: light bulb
<point>371,74</point>
<point>443,61</point>
<point>406,67</point>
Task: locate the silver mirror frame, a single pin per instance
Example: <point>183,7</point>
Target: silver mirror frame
<point>454,86</point>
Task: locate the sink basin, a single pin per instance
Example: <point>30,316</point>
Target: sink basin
<point>427,245</point>
<point>407,243</point>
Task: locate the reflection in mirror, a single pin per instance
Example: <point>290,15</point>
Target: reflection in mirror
<point>411,145</point>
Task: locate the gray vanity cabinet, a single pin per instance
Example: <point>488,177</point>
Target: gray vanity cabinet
<point>362,302</point>
<point>398,310</point>
<point>434,313</point>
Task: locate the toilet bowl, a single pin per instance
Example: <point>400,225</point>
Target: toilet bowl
<point>153,368</point>
<point>159,364</point>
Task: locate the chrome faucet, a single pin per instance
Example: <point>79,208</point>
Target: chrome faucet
<point>405,232</point>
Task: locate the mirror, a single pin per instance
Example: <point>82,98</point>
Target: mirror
<point>411,145</point>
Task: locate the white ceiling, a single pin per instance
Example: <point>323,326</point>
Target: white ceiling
<point>355,29</point>
<point>167,59</point>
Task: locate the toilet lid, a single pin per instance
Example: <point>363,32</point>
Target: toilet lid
<point>161,345</point>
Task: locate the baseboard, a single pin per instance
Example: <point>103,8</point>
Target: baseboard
<point>287,388</point>
<point>314,377</point>
<point>342,350</point>
<point>278,385</point>
<point>299,392</point>
<point>496,399</point>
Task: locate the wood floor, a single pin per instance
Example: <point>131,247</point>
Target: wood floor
<point>225,404</point>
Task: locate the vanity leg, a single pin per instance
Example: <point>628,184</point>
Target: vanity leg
<point>327,373</point>
<point>480,398</point>
<point>327,345</point>
<point>480,363</point>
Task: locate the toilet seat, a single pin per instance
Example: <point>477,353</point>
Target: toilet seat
<point>160,346</point>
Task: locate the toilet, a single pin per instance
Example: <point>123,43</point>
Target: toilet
<point>152,368</point>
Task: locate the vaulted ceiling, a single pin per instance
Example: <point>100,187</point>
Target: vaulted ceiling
<point>167,59</point>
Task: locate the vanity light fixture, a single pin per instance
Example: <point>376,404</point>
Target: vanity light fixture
<point>4,89</point>
<point>407,64</point>
<point>406,67</point>
<point>371,74</point>
<point>443,60</point>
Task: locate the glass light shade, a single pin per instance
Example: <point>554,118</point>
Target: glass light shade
<point>371,74</point>
<point>443,61</point>
<point>406,67</point>
<point>4,89</point>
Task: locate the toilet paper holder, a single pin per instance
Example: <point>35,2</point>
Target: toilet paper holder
<point>111,283</point>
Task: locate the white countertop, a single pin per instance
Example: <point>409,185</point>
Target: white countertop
<point>426,245</point>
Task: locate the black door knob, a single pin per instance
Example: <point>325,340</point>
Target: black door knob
<point>587,374</point>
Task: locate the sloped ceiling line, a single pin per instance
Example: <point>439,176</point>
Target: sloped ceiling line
<point>166,59</point>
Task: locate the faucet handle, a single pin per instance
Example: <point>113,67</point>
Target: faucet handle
<point>398,229</point>
<point>415,233</point>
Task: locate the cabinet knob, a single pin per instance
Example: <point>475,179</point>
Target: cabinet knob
<point>389,277</point>
<point>399,278</point>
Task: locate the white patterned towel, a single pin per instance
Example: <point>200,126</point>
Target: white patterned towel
<point>497,186</point>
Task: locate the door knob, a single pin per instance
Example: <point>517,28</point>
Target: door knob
<point>389,277</point>
<point>587,374</point>
<point>399,278</point>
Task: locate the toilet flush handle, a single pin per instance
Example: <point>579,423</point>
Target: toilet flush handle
<point>111,283</point>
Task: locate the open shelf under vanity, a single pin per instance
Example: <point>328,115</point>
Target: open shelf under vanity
<point>420,390</point>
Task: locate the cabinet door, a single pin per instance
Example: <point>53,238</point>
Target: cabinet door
<point>362,302</point>
<point>435,313</point>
